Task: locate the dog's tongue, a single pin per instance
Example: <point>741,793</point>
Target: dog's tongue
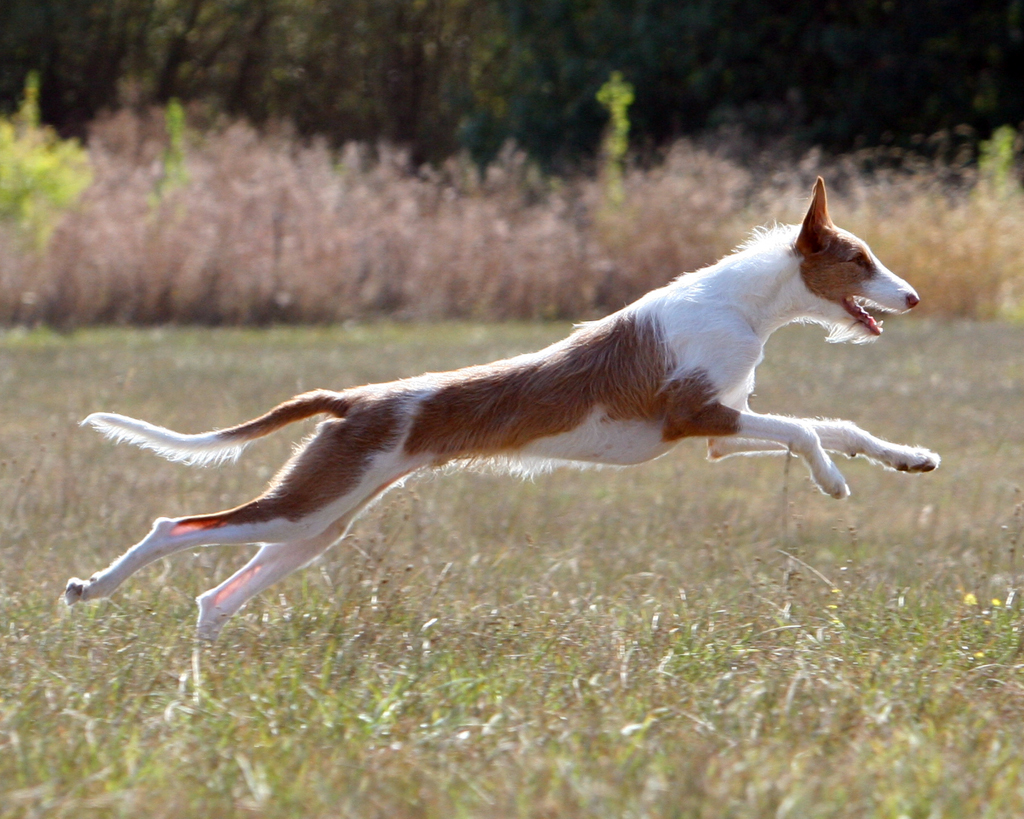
<point>863,316</point>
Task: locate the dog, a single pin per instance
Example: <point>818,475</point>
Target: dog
<point>677,363</point>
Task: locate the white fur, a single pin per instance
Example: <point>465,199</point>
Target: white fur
<point>717,321</point>
<point>197,450</point>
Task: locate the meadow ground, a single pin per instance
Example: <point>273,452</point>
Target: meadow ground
<point>617,643</point>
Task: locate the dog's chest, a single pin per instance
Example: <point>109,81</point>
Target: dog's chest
<point>601,440</point>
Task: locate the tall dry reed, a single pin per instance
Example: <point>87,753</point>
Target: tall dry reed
<point>265,228</point>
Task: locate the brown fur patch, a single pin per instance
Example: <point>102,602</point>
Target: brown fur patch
<point>196,524</point>
<point>833,264</point>
<point>500,407</point>
<point>328,466</point>
<point>619,365</point>
<point>295,409</point>
<point>837,270</point>
<point>693,411</point>
<point>478,412</point>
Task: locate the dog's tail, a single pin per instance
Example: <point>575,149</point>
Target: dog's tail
<point>219,445</point>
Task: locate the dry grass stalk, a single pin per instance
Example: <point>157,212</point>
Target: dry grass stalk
<point>269,230</point>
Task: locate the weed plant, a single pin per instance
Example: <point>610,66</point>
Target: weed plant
<point>41,175</point>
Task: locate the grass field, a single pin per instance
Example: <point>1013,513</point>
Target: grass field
<point>618,643</point>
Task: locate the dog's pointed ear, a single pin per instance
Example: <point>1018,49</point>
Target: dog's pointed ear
<point>817,226</point>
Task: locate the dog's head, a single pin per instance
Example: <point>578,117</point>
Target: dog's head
<point>846,277</point>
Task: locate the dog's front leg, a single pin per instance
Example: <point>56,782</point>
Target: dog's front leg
<point>848,438</point>
<point>836,436</point>
<point>800,437</point>
<point>725,447</point>
<point>691,412</point>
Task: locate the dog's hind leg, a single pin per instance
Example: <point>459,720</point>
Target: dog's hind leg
<point>275,561</point>
<point>348,463</point>
<point>271,563</point>
<point>171,535</point>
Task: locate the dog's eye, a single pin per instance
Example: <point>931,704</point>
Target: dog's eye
<point>861,260</point>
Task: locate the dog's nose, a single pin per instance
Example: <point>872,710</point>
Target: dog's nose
<point>912,300</point>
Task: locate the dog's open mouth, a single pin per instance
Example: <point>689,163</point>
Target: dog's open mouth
<point>855,307</point>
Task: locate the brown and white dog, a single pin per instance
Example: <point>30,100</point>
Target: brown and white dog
<point>677,363</point>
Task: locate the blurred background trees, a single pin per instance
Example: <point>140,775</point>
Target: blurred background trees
<point>437,76</point>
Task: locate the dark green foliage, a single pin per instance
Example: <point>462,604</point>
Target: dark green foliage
<point>827,73</point>
<point>435,75</point>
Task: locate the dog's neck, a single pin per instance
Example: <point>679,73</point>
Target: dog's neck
<point>761,282</point>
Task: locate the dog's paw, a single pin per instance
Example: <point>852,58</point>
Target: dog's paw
<point>208,629</point>
<point>211,619</point>
<point>918,460</point>
<point>833,483</point>
<point>75,590</point>
<point>840,492</point>
<point>208,632</point>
